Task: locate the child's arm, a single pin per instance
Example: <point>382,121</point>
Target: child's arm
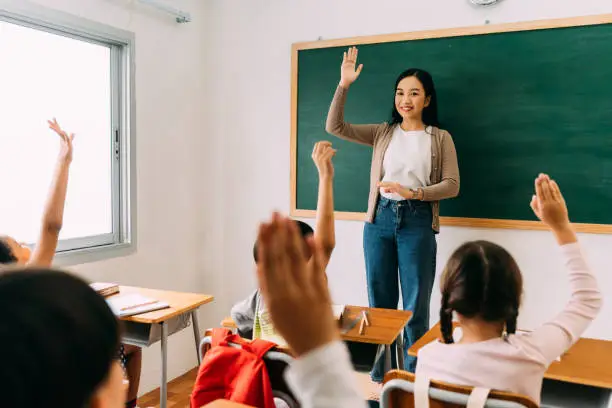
<point>325,233</point>
<point>558,335</point>
<point>53,216</point>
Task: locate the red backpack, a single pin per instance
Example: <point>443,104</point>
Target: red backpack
<point>232,373</point>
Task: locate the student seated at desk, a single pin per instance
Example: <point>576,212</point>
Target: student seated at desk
<point>292,280</point>
<point>14,253</point>
<point>250,315</point>
<point>482,285</point>
<point>59,343</point>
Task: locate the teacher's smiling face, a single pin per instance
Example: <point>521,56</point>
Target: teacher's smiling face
<point>410,98</point>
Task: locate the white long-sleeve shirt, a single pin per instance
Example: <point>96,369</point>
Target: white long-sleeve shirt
<point>324,378</point>
<point>518,363</point>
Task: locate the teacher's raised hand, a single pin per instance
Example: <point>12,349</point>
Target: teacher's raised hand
<point>348,72</point>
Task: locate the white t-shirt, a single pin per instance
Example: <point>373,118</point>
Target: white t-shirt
<point>407,160</point>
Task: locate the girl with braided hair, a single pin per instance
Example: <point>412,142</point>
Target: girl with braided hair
<point>482,286</point>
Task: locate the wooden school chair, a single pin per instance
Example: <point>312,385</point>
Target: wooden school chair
<point>276,363</point>
<point>400,390</point>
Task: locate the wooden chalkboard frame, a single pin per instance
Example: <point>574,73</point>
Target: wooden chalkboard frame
<point>420,35</point>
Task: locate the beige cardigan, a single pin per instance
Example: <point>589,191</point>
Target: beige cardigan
<point>444,170</point>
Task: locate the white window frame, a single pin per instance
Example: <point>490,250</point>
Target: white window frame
<point>122,240</point>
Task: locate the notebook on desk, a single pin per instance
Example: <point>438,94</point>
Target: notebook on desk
<point>105,288</point>
<point>131,304</point>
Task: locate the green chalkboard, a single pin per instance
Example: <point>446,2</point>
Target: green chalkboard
<point>517,103</point>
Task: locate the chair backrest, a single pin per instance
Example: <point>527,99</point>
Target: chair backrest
<point>276,363</point>
<point>401,391</point>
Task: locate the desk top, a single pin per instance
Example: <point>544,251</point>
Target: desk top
<point>386,325</point>
<point>588,362</point>
<point>179,302</point>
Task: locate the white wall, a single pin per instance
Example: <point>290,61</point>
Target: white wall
<point>250,85</point>
<point>170,126</point>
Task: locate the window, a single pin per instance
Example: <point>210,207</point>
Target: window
<point>54,65</point>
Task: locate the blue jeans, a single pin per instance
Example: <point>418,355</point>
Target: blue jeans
<point>401,238</point>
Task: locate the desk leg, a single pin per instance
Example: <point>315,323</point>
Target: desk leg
<point>399,343</point>
<point>163,397</point>
<point>387,358</point>
<point>609,399</point>
<point>196,332</point>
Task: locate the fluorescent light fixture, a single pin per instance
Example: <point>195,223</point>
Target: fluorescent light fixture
<point>181,16</point>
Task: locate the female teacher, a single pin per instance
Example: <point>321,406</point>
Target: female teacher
<point>414,166</point>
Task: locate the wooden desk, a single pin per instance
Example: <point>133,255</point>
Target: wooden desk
<point>386,326</point>
<point>147,328</point>
<point>587,363</point>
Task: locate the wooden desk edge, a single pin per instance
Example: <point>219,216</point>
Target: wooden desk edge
<point>580,381</point>
<point>175,313</point>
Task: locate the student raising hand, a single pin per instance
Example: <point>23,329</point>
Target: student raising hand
<point>65,153</point>
<point>322,156</point>
<point>11,251</point>
<point>299,304</point>
<point>549,206</point>
<point>295,289</point>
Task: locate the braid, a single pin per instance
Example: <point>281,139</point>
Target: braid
<point>446,321</point>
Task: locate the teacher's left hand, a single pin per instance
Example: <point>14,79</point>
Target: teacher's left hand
<point>396,188</point>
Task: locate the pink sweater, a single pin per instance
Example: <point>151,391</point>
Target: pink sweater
<point>517,363</point>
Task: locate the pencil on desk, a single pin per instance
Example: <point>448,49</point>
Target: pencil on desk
<point>365,317</point>
<point>362,327</point>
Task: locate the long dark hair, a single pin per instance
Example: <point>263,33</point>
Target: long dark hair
<point>59,339</point>
<point>481,279</point>
<point>430,113</point>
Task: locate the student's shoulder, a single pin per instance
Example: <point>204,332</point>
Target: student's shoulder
<point>434,348</point>
<point>248,303</point>
<point>524,344</point>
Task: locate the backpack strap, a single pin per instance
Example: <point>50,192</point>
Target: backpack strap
<point>421,392</point>
<point>478,397</point>
<point>260,347</point>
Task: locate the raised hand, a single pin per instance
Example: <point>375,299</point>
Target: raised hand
<point>322,154</point>
<point>548,203</point>
<point>293,288</point>
<point>66,140</point>
<point>348,73</point>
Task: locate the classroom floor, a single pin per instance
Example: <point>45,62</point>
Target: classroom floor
<point>179,391</point>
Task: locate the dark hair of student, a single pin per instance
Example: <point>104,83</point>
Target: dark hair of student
<point>59,338</point>
<point>481,279</point>
<point>430,113</point>
<point>6,253</point>
<point>305,230</point>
